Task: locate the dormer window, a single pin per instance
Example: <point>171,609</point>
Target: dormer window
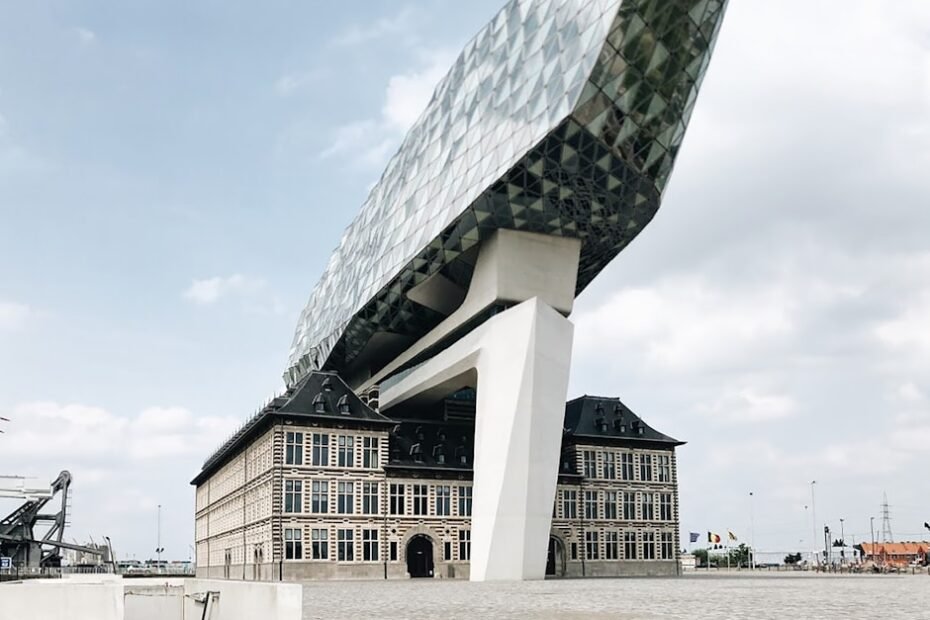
<point>342,405</point>
<point>416,451</point>
<point>319,403</point>
<point>327,384</point>
<point>419,433</point>
<point>599,410</point>
<point>461,456</point>
<point>601,424</point>
<point>618,410</point>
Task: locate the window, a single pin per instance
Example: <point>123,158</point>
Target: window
<point>319,497</point>
<point>370,545</point>
<point>629,506</point>
<point>590,545</point>
<point>294,448</point>
<point>345,545</point>
<point>574,550</point>
<point>319,544</point>
<point>293,496</point>
<point>345,498</point>
<point>464,501</point>
<point>420,499</point>
<point>293,544</point>
<point>443,501</point>
<point>649,546</point>
<point>626,466</point>
<point>665,506</point>
<point>664,468</point>
<point>447,551</point>
<point>645,467</point>
<point>667,546</point>
<point>345,453</point>
<point>319,453</point>
<point>610,504</point>
<point>610,465</point>
<point>370,452</point>
<point>589,460</point>
<point>590,504</point>
<point>464,545</point>
<point>612,546</point>
<point>648,506</point>
<point>370,498</point>
<point>397,499</point>
<point>393,550</point>
<point>629,545</point>
<point>569,504</point>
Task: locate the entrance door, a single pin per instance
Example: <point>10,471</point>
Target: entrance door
<point>554,557</point>
<point>420,556</point>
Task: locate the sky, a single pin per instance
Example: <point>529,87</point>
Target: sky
<point>174,176</point>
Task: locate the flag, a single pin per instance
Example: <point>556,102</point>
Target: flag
<point>713,538</point>
<point>694,537</point>
<point>731,535</point>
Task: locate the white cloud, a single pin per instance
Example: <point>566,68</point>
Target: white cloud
<point>369,142</point>
<point>356,34</point>
<point>211,290</point>
<point>85,36</point>
<point>13,315</point>
<point>749,405</point>
<point>290,83</point>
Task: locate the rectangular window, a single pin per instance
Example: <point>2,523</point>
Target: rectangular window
<point>345,454</point>
<point>667,546</point>
<point>665,506</point>
<point>319,543</point>
<point>294,448</point>
<point>293,544</point>
<point>443,501</point>
<point>626,466</point>
<point>629,545</point>
<point>393,550</point>
<point>420,499</point>
<point>345,545</point>
<point>293,496</point>
<point>591,546</point>
<point>589,461</point>
<point>397,499</point>
<point>574,550</point>
<point>590,504</point>
<point>370,545</point>
<point>665,468</point>
<point>612,546</point>
<point>610,465</point>
<point>610,504</point>
<point>648,506</point>
<point>464,501</point>
<point>645,467</point>
<point>319,453</point>
<point>345,498</point>
<point>629,506</point>
<point>319,497</point>
<point>569,504</point>
<point>447,551</point>
<point>649,546</point>
<point>464,545</point>
<point>370,498</point>
<point>370,452</point>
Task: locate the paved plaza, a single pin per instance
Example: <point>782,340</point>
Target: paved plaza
<point>760,596</point>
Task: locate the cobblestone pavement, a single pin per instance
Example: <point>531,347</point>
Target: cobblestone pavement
<point>760,597</point>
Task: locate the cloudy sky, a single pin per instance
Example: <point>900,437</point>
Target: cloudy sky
<point>174,176</point>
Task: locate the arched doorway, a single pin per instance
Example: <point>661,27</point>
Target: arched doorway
<point>420,556</point>
<point>555,559</point>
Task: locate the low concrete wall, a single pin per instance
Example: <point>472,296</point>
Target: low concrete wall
<point>61,599</point>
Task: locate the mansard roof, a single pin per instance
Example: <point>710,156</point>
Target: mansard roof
<point>606,419</point>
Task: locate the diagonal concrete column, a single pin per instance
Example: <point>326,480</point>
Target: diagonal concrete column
<point>519,362</point>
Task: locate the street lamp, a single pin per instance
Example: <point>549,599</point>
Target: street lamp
<point>872,529</point>
<point>752,534</point>
<point>814,524</point>
<point>843,541</point>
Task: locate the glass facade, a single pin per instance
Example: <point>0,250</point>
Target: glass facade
<point>560,117</point>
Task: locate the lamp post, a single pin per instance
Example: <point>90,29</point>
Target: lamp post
<point>842,540</point>
<point>752,534</point>
<point>814,524</point>
<point>872,529</point>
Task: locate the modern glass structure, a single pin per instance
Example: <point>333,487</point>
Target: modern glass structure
<point>560,117</point>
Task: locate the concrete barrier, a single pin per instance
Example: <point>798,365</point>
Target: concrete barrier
<point>112,598</point>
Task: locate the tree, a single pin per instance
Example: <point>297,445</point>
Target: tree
<point>701,556</point>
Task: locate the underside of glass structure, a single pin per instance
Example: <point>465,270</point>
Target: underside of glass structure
<point>561,117</point>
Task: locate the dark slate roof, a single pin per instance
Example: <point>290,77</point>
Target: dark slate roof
<point>432,444</point>
<point>321,396</point>
<point>603,418</point>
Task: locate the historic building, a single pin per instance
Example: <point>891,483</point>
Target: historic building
<point>318,484</point>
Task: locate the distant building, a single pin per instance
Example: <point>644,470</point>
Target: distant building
<point>896,553</point>
<point>321,485</point>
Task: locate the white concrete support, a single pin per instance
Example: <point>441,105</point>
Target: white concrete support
<point>519,363</point>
